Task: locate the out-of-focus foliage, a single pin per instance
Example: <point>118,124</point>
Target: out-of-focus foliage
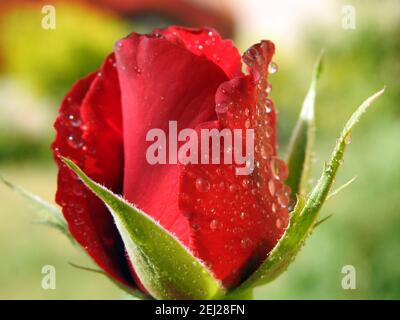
<point>52,60</point>
<point>39,66</point>
<point>364,230</point>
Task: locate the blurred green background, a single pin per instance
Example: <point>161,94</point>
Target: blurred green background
<point>38,66</point>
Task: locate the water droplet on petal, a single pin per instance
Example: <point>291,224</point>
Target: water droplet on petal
<point>244,243</point>
<point>221,107</point>
<point>266,151</point>
<point>272,67</point>
<point>283,200</point>
<point>279,169</point>
<point>246,183</point>
<point>202,185</point>
<point>278,223</point>
<point>268,105</point>
<point>137,69</point>
<point>268,131</point>
<point>214,224</point>
<point>75,142</point>
<point>233,188</point>
<point>75,121</point>
<point>271,187</point>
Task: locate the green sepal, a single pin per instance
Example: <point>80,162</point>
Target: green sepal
<point>305,215</point>
<point>302,140</point>
<point>49,214</point>
<point>129,290</point>
<point>165,267</point>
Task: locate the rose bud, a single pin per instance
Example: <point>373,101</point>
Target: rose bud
<point>182,230</point>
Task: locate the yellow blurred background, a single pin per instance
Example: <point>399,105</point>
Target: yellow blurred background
<point>38,66</point>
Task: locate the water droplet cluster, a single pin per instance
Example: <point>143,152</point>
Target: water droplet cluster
<point>206,42</point>
<point>77,142</point>
<point>242,216</point>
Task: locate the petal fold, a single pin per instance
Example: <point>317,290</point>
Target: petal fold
<point>89,131</point>
<point>161,82</point>
<point>239,218</point>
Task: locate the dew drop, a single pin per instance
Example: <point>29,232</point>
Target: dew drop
<point>233,188</point>
<point>78,190</point>
<point>75,142</point>
<point>279,169</point>
<point>75,121</point>
<point>283,200</point>
<point>272,67</point>
<point>244,243</point>
<point>79,209</point>
<point>246,183</point>
<point>249,56</point>
<point>347,140</point>
<point>221,107</point>
<point>214,224</point>
<point>269,88</point>
<point>271,187</point>
<point>268,132</point>
<point>266,151</point>
<point>278,223</point>
<point>202,185</point>
<point>242,215</point>
<point>268,106</point>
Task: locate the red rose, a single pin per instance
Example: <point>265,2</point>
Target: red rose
<point>193,77</point>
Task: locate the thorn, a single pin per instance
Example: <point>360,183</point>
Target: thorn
<point>85,268</point>
<point>322,220</point>
<point>342,187</point>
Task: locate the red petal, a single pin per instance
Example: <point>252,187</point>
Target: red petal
<point>161,81</point>
<point>208,43</point>
<point>236,220</point>
<point>89,132</point>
